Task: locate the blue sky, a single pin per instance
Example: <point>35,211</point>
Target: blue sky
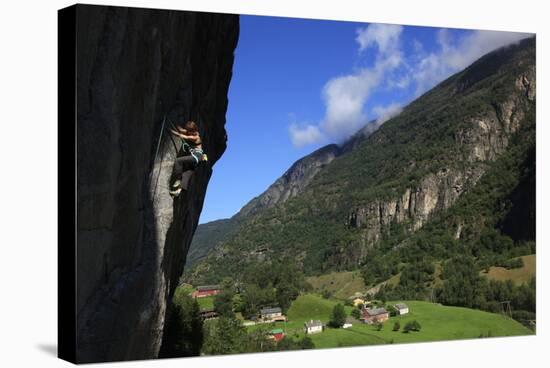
<point>299,84</point>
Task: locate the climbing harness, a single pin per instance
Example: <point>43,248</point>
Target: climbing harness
<point>186,147</point>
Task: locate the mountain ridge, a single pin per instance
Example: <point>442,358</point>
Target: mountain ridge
<point>436,149</point>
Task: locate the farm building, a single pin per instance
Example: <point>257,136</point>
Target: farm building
<point>373,315</point>
<point>277,334</point>
<point>402,308</point>
<point>312,327</point>
<point>349,322</point>
<point>274,314</point>
<point>206,290</point>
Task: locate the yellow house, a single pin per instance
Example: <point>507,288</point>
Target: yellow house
<point>358,301</point>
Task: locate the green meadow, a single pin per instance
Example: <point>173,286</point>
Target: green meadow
<point>437,322</point>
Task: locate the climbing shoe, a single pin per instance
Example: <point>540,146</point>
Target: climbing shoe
<point>175,192</point>
<point>176,184</point>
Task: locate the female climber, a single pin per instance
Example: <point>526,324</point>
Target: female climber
<point>184,165</point>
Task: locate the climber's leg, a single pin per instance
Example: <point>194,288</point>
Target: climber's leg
<point>183,183</point>
<point>186,179</point>
<point>181,164</point>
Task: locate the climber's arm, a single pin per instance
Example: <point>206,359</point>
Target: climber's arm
<point>176,133</point>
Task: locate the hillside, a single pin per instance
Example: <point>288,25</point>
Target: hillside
<point>207,237</point>
<point>518,275</point>
<point>471,137</point>
<point>438,323</point>
<point>340,285</point>
<point>289,185</point>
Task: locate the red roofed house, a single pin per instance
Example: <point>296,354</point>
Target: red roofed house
<point>277,334</point>
<point>207,290</point>
<point>373,315</point>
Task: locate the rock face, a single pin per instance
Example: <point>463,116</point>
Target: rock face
<point>484,138</point>
<point>136,66</point>
<point>293,181</point>
<point>436,192</point>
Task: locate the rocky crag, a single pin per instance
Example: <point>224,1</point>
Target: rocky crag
<point>135,67</point>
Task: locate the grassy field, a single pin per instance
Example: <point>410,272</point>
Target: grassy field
<point>517,275</point>
<point>438,323</point>
<point>204,303</point>
<point>342,285</point>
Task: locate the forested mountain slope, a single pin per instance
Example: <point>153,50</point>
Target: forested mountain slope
<point>458,164</point>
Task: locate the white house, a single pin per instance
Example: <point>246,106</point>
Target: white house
<point>271,313</point>
<point>402,308</point>
<point>312,327</point>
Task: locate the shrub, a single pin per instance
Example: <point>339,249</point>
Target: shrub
<point>412,326</point>
<point>396,326</point>
<point>326,294</point>
<point>338,316</point>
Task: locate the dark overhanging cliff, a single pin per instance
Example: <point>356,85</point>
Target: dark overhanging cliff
<point>134,67</point>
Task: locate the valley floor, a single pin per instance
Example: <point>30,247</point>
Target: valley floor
<point>438,323</point>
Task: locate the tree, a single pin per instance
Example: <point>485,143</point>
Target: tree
<point>223,303</point>
<point>326,294</point>
<point>338,316</point>
<point>225,335</point>
<point>285,295</point>
<point>356,313</point>
<point>287,343</point>
<point>259,340</point>
<point>396,326</point>
<point>462,285</point>
<point>412,326</point>
<point>378,325</point>
<point>307,343</point>
<point>392,310</point>
<point>184,328</point>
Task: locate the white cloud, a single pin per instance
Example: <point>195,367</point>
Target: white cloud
<point>346,96</point>
<point>344,100</point>
<point>384,36</point>
<point>385,113</point>
<point>455,56</point>
<point>305,135</point>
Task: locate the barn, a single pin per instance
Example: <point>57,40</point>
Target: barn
<point>374,315</point>
<point>206,290</point>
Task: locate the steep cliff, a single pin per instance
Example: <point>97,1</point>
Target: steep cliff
<point>136,66</point>
<point>397,178</point>
<point>293,181</point>
<point>481,138</point>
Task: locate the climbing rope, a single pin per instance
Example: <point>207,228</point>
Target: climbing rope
<point>155,159</point>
